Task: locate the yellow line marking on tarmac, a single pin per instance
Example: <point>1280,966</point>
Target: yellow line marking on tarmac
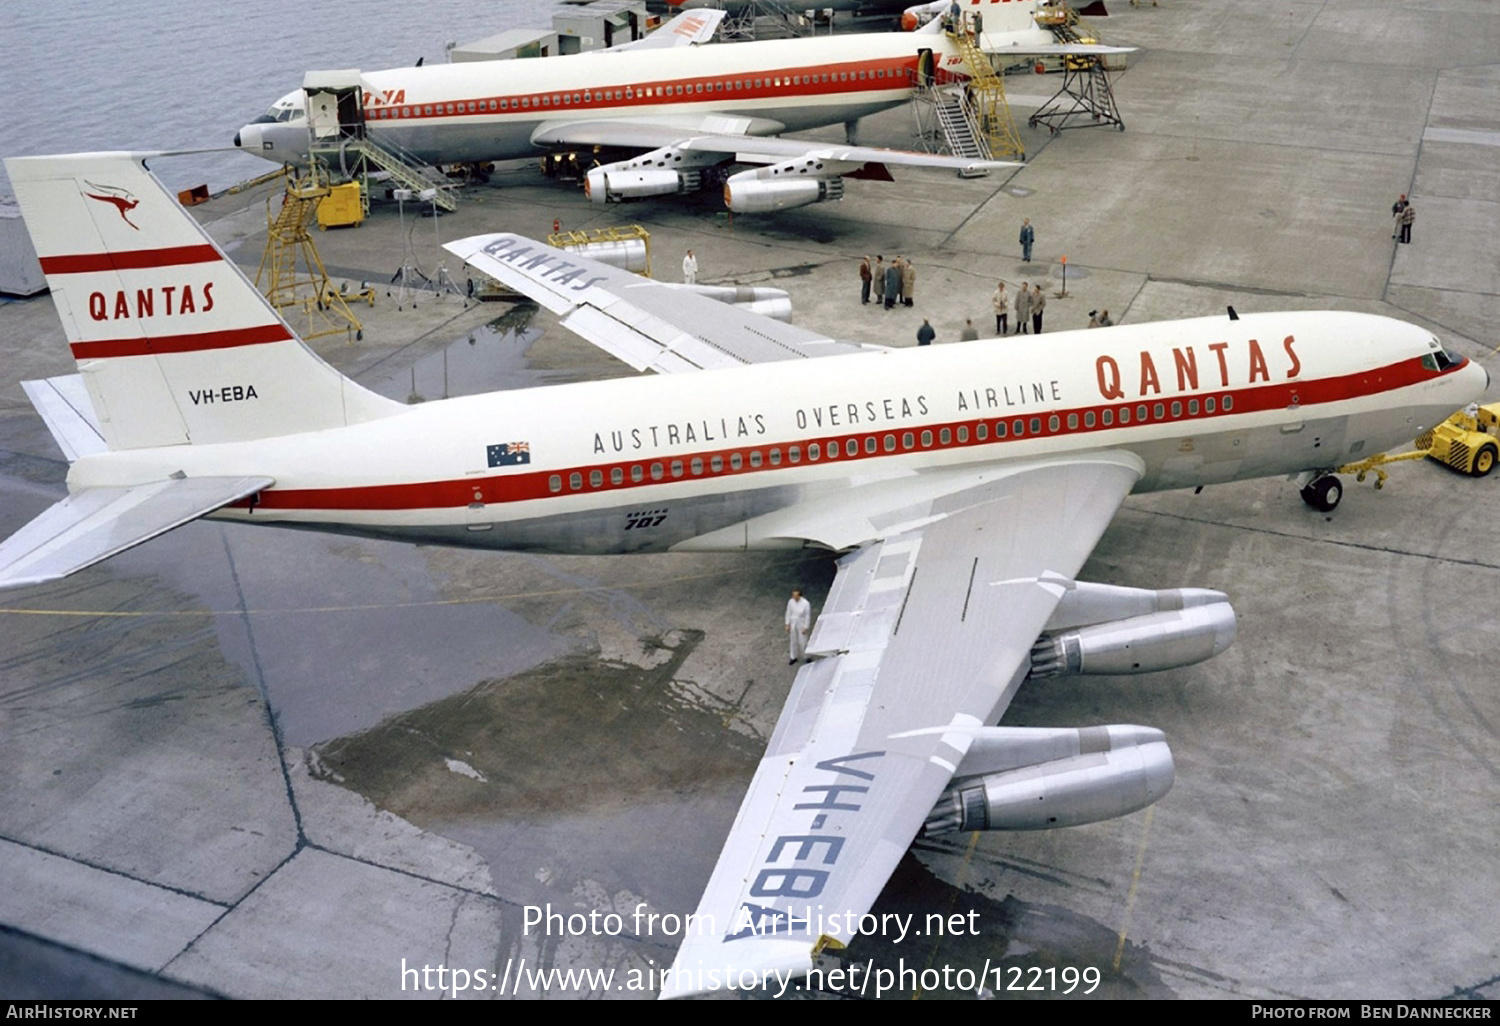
<point>367,607</point>
<point>1135,882</point>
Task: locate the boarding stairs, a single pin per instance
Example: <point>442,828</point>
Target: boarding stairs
<point>973,117</point>
<point>359,156</point>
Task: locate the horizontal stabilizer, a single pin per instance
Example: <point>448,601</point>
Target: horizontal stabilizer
<point>95,523</point>
<point>65,405</point>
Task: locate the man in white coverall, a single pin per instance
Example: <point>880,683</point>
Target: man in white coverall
<point>798,623</point>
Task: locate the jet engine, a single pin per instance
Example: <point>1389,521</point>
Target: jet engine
<point>1085,775</point>
<point>792,183</point>
<point>1103,629</point>
<point>661,172</point>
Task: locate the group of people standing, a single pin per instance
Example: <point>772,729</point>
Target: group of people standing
<point>1030,302</point>
<point>1404,214</point>
<point>890,283</point>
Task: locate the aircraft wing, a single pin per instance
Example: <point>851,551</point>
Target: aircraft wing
<point>95,523</point>
<point>746,140</point>
<point>687,29</point>
<point>925,637</point>
<point>635,318</point>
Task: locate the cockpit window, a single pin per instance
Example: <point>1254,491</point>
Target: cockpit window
<point>1438,360</point>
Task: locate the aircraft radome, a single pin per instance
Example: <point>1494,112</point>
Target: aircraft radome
<point>965,486</point>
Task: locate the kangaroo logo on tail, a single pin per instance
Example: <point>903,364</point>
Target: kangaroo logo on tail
<point>123,200</point>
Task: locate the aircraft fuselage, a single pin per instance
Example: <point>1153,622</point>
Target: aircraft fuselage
<point>706,460</point>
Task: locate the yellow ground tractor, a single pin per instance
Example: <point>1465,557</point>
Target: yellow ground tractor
<point>1468,441</point>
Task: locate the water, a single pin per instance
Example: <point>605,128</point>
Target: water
<point>160,75</point>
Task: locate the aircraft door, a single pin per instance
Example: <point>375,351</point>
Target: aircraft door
<point>924,68</point>
<point>335,105</point>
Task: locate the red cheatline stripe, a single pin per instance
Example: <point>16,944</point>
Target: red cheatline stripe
<point>104,348</point>
<point>170,256</point>
<point>979,431</point>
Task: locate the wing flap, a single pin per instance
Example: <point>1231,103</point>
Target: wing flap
<point>95,523</point>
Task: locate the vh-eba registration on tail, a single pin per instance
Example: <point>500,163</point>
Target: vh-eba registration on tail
<point>964,486</point>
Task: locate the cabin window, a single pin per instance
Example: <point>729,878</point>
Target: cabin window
<point>794,452</point>
<point>554,483</point>
<point>851,447</point>
<point>1072,422</point>
<point>1140,413</point>
<point>1124,415</point>
<point>755,459</point>
<point>963,434</point>
<point>616,476</point>
<point>870,444</point>
<point>1088,418</point>
<point>775,457</point>
<point>945,436</point>
<point>1208,405</point>
<point>1018,427</point>
<point>716,464</point>
<point>637,473</point>
<point>1228,403</point>
<point>999,429</point>
<point>890,443</point>
<point>981,432</point>
<point>1159,411</point>
<point>505,105</point>
<point>676,468</point>
<point>736,461</point>
<point>1036,425</point>
<point>1192,407</point>
<point>1053,423</point>
<point>908,440</point>
<point>657,472</point>
<point>926,438</point>
<point>588,97</point>
<point>696,467</point>
<point>1176,408</point>
<point>575,480</point>
<point>596,479</point>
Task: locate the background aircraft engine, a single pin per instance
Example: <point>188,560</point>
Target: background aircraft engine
<point>1139,644</point>
<point>1085,788</point>
<point>603,185</point>
<point>758,196</point>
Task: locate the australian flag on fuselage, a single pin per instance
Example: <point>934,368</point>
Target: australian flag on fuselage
<point>509,454</point>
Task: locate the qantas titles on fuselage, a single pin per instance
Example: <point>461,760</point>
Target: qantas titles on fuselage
<point>1235,363</point>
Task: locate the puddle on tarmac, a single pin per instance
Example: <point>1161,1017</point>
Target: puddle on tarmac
<point>489,358</point>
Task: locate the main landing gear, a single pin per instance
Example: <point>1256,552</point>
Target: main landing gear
<point>1323,493</point>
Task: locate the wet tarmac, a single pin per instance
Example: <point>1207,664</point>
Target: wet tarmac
<point>261,763</point>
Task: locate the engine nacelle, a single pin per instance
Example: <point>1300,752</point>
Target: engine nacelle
<point>1085,788</point>
<point>758,196</point>
<point>606,185</point>
<point>1139,644</point>
<point>760,299</point>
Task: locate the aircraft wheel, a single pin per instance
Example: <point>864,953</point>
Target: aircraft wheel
<point>1484,460</point>
<point>1324,493</point>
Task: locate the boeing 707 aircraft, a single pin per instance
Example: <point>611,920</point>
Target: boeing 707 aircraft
<point>683,114</point>
<point>964,487</point>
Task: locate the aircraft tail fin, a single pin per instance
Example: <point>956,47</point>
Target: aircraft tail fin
<point>175,346</point>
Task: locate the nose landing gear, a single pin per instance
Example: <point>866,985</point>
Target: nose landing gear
<point>1323,493</point>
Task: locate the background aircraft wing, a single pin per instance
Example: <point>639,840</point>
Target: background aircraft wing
<point>686,29</point>
<point>95,523</point>
<point>748,143</point>
<point>635,318</point>
<point>925,636</point>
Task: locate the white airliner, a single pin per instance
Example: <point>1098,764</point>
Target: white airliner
<point>965,485</point>
<point>684,113</point>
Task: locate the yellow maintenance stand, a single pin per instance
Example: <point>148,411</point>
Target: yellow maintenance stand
<point>291,272</point>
